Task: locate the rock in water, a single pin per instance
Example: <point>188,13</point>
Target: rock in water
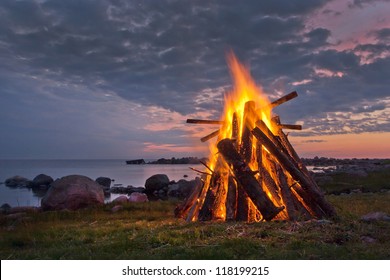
<point>42,180</point>
<point>104,181</point>
<point>72,192</point>
<point>17,181</point>
<point>156,183</point>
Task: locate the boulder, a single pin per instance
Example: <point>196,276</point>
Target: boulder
<point>183,188</point>
<point>73,192</point>
<point>156,183</point>
<point>357,173</point>
<point>173,190</point>
<point>17,181</point>
<point>104,181</point>
<point>120,200</point>
<point>132,189</point>
<point>5,208</point>
<point>116,208</point>
<point>138,197</point>
<point>42,181</point>
<point>375,216</point>
<point>186,187</point>
<point>367,239</point>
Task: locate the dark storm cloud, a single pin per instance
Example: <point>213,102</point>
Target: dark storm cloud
<point>362,3</point>
<point>382,34</point>
<point>145,50</point>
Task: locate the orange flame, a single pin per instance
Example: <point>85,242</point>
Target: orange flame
<point>245,90</point>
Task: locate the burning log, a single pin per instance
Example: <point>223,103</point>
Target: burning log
<point>211,135</point>
<point>246,179</point>
<point>291,126</point>
<point>206,213</point>
<point>231,199</point>
<point>284,99</point>
<point>244,207</point>
<point>295,172</point>
<point>197,121</point>
<point>242,213</point>
<point>183,209</point>
<point>286,193</point>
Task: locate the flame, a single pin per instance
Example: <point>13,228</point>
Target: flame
<point>246,163</point>
<point>245,93</point>
<point>245,89</point>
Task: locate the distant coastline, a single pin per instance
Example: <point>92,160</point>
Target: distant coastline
<point>173,160</point>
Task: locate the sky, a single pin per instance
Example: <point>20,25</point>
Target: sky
<point>92,79</point>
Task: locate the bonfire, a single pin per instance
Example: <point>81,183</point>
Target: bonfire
<point>253,173</point>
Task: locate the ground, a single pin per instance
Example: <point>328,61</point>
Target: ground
<point>150,231</point>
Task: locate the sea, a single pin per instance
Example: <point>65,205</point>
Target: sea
<point>122,174</point>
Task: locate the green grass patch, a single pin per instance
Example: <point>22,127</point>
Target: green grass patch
<point>150,231</point>
<point>345,183</point>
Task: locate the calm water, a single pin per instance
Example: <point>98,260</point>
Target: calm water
<point>134,175</point>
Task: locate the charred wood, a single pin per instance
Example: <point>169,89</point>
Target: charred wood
<point>210,136</point>
<point>197,121</point>
<point>231,199</point>
<point>247,180</point>
<point>285,161</point>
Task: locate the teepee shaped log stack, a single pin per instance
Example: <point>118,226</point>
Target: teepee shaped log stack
<point>258,177</point>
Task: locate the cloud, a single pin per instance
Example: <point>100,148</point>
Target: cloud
<point>118,71</point>
<point>362,3</point>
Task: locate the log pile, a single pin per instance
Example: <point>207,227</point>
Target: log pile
<point>255,173</point>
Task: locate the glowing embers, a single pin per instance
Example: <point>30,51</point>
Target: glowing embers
<point>255,172</point>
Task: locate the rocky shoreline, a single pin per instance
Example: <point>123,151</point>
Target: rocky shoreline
<point>74,192</point>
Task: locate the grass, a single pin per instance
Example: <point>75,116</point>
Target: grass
<point>345,183</point>
<point>150,231</point>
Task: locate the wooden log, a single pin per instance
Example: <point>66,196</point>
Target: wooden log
<point>219,206</point>
<point>285,193</point>
<point>242,213</point>
<point>259,155</point>
<point>284,99</point>
<point>244,207</point>
<point>247,180</point>
<point>287,145</point>
<point>303,212</point>
<point>291,126</point>
<point>209,136</point>
<point>231,199</point>
<point>253,214</point>
<point>241,205</point>
<point>304,199</point>
<point>285,161</point>
<point>264,128</point>
<point>270,184</point>
<point>197,121</point>
<point>246,138</point>
<point>182,210</point>
<point>235,128</point>
<point>206,211</point>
